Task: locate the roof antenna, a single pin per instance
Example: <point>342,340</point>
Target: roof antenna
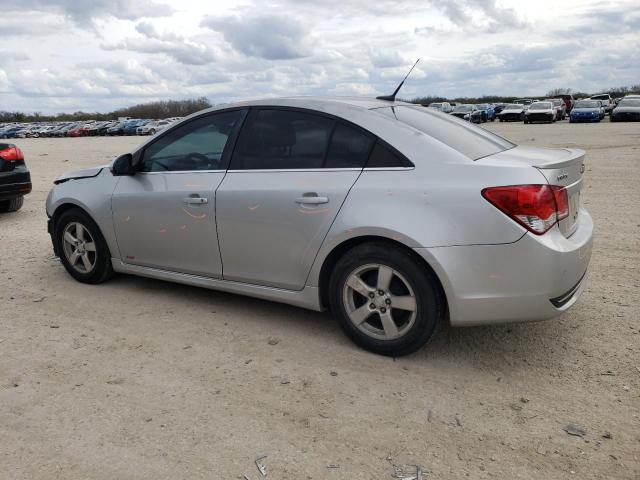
<point>392,97</point>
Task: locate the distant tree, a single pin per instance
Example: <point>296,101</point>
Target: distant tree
<point>559,91</point>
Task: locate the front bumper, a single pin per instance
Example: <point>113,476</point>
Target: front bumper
<point>535,278</point>
<point>15,183</point>
<point>576,118</point>
<point>540,117</point>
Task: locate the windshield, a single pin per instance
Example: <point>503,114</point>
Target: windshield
<point>587,104</point>
<point>482,106</point>
<point>462,108</point>
<point>629,102</point>
<point>435,105</point>
<point>471,141</point>
<point>540,106</point>
<point>514,106</point>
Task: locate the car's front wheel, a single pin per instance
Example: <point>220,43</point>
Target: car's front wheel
<point>384,300</point>
<point>12,205</point>
<point>82,248</point>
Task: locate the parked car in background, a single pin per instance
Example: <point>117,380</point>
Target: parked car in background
<point>524,101</point>
<point>15,179</point>
<point>568,101</point>
<point>444,107</point>
<point>586,111</point>
<point>467,111</point>
<point>152,128</point>
<point>498,107</point>
<point>502,234</point>
<point>117,129</point>
<point>605,98</point>
<point>487,112</point>
<point>560,107</point>
<point>131,126</point>
<point>628,110</point>
<point>541,112</point>
<point>512,112</point>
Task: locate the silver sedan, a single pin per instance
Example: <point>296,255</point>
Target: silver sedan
<point>394,217</point>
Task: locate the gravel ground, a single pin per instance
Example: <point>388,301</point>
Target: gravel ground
<point>138,378</point>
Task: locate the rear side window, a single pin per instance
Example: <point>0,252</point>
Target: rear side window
<point>282,139</point>
<point>384,157</point>
<point>349,148</point>
<point>471,141</point>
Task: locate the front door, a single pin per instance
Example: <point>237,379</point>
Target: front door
<point>288,178</point>
<point>164,215</point>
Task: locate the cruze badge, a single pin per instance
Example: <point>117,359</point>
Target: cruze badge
<point>562,176</point>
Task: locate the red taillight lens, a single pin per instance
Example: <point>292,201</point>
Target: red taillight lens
<point>535,207</point>
<point>11,154</point>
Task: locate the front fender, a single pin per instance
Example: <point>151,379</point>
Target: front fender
<point>93,195</point>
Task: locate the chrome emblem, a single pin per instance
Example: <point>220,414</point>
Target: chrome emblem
<point>562,176</point>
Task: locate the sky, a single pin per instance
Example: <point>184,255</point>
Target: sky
<point>100,55</point>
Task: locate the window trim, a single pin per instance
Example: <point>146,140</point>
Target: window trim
<point>336,119</point>
<point>225,160</point>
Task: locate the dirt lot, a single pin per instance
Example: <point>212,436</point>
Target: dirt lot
<point>144,379</point>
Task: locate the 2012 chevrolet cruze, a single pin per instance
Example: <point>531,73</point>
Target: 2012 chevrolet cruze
<point>393,216</point>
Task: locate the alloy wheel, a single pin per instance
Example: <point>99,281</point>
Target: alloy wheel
<point>379,301</point>
<point>79,247</point>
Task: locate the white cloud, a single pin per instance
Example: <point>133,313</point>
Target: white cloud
<point>101,55</point>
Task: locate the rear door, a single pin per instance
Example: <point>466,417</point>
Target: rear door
<point>289,176</point>
<point>164,215</point>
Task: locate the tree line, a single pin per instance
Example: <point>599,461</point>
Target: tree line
<point>157,109</point>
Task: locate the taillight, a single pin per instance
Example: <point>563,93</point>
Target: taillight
<point>535,207</point>
<point>11,154</point>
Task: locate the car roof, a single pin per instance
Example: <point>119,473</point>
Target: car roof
<point>315,102</point>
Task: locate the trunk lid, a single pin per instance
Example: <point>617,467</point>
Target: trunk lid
<point>560,166</point>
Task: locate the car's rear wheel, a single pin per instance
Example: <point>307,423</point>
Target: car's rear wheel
<point>12,205</point>
<point>83,250</point>
<point>384,300</point>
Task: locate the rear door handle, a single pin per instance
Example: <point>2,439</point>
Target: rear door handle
<point>312,199</point>
<point>195,200</point>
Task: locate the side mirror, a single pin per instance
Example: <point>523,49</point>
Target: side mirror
<point>123,165</point>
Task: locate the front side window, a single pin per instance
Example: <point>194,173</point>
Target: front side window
<point>283,139</point>
<point>197,145</point>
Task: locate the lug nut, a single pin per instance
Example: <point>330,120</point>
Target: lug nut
<point>383,310</point>
<point>380,292</point>
<point>388,301</point>
<point>371,295</point>
<point>372,306</point>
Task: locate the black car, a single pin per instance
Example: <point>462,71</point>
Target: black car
<point>467,112</point>
<point>15,179</point>
<point>628,110</point>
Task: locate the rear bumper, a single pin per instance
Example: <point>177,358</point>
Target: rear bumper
<point>535,278</point>
<point>15,183</point>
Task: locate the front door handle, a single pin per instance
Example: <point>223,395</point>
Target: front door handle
<point>195,200</point>
<point>311,199</point>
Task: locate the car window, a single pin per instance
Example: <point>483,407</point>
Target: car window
<point>471,141</point>
<point>197,145</point>
<point>282,139</point>
<point>349,147</point>
<point>384,157</point>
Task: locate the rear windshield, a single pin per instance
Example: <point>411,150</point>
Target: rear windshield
<point>471,141</point>
<point>629,102</point>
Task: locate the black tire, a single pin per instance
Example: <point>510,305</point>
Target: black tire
<point>102,269</point>
<point>424,287</point>
<point>12,205</point>
<point>152,131</point>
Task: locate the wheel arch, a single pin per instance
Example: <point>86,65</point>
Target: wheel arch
<point>339,250</point>
<point>65,207</point>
